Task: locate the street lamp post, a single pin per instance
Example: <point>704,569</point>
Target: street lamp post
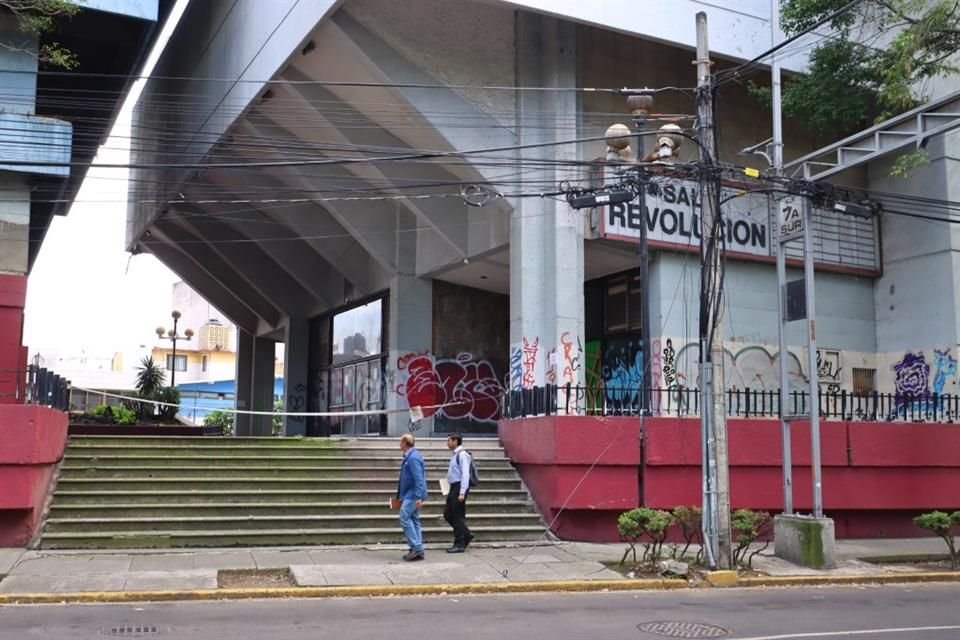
<point>173,336</point>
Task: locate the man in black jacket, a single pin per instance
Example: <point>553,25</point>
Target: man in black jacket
<point>455,511</point>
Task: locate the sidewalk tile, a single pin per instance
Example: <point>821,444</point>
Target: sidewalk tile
<point>9,557</point>
<point>163,562</point>
<point>29,584</point>
<point>224,560</point>
<point>91,582</point>
<point>420,573</point>
<point>532,573</point>
<point>280,559</point>
<point>65,565</point>
<point>185,579</point>
<point>585,570</point>
<point>308,575</point>
<point>466,575</point>
<point>536,558</point>
<point>345,575</point>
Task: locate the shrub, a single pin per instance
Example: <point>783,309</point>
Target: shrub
<point>690,521</point>
<point>942,524</point>
<point>169,395</point>
<point>747,526</point>
<point>640,523</point>
<point>277,419</point>
<point>123,415</point>
<point>221,419</point>
<point>114,415</point>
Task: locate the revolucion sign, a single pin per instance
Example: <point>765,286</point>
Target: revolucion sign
<point>673,217</point>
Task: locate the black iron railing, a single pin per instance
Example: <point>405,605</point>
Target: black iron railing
<point>34,385</point>
<point>740,403</point>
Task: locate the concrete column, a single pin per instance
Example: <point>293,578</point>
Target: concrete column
<point>14,223</point>
<point>261,392</point>
<point>295,374</point>
<point>242,423</point>
<point>410,332</point>
<point>546,236</point>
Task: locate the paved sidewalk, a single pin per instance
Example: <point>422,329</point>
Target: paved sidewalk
<point>148,570</point>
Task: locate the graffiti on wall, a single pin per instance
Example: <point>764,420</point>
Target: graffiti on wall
<point>552,366</point>
<point>668,357</point>
<point>828,370</point>
<point>516,368</point>
<point>656,364</point>
<point>750,368</point>
<point>470,387</point>
<point>572,358</point>
<point>593,374</point>
<point>530,349</point>
<point>623,371</point>
<point>912,382</point>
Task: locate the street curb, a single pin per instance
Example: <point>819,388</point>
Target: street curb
<point>371,591</point>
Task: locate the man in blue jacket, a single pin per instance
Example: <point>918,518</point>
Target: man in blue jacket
<point>411,492</point>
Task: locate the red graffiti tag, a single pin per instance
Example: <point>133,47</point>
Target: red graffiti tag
<point>469,387</point>
<point>530,362</point>
<point>571,362</point>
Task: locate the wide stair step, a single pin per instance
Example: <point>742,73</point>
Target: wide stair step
<point>156,492</point>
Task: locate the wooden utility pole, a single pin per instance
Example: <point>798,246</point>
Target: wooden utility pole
<point>716,511</point>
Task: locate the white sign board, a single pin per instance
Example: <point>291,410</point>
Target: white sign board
<point>789,219</point>
<point>673,217</point>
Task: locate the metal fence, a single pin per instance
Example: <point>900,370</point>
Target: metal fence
<point>34,385</point>
<point>740,403</point>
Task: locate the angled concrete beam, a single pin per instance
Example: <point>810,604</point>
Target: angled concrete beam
<point>370,223</point>
<point>202,282</point>
<point>248,259</point>
<point>319,229</point>
<point>447,217</point>
<point>219,270</point>
<point>310,270</point>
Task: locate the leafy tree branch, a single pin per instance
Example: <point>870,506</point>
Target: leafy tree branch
<point>40,17</point>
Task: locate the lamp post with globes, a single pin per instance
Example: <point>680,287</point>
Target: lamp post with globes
<point>173,336</point>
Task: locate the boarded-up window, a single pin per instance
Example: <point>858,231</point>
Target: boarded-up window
<point>864,381</point>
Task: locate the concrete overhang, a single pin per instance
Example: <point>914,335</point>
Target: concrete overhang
<point>111,40</point>
<point>739,29</point>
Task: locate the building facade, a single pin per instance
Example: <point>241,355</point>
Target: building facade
<point>392,291</point>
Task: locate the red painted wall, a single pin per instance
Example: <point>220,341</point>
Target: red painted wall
<point>33,442</point>
<point>13,356</point>
<point>876,476</point>
<point>581,471</point>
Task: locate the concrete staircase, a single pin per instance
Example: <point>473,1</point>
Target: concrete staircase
<point>156,492</point>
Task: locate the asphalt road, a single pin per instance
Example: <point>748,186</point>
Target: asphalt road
<point>865,613</point>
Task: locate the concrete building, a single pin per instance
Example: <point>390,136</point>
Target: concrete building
<point>210,355</point>
<point>44,122</point>
<point>389,291</point>
<point>48,138</point>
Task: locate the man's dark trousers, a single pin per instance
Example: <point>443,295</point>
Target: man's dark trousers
<point>455,513</point>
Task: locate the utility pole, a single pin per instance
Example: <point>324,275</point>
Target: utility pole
<point>713,415</point>
<point>777,168</point>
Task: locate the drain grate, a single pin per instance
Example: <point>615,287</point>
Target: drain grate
<point>132,631</point>
<point>683,629</point>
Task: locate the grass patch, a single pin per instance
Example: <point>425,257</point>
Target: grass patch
<point>254,578</point>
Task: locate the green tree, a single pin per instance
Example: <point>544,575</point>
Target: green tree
<point>220,419</point>
<point>169,396</point>
<point>40,17</point>
<point>877,63</point>
<point>943,524</point>
<point>150,377</point>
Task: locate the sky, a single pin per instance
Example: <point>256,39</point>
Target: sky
<point>86,293</point>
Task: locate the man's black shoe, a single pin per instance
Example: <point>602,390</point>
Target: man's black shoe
<point>456,549</point>
<point>413,556</point>
<point>467,542</point>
